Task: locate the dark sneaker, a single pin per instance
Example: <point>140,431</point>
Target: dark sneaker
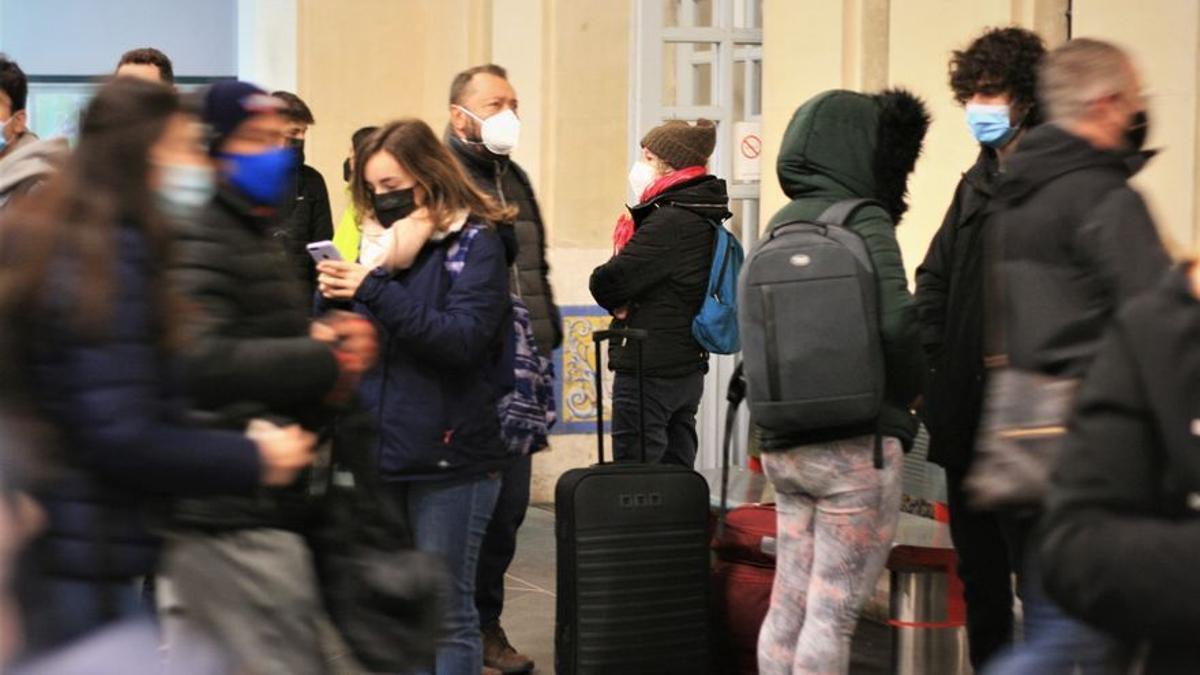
<point>499,654</point>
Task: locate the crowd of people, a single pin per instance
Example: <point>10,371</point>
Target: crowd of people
<point>200,373</point>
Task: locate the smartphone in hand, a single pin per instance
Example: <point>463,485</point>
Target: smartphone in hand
<point>322,251</point>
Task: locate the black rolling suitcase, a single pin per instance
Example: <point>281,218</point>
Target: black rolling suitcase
<point>633,561</point>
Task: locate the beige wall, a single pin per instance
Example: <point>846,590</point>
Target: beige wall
<point>582,188</point>
<point>586,122</point>
<point>1164,38</point>
<point>363,62</point>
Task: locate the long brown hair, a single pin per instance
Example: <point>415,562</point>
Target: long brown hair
<point>74,218</point>
<point>446,186</point>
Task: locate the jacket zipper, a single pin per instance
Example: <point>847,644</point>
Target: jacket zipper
<point>500,183</point>
<point>693,205</point>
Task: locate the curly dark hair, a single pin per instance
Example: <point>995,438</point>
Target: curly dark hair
<point>1002,60</point>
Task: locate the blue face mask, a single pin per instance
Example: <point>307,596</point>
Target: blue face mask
<point>990,124</point>
<point>262,177</point>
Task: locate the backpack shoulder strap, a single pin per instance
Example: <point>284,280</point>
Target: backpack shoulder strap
<point>840,212</point>
<point>456,256</point>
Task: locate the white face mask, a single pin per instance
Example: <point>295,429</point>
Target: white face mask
<point>500,132</point>
<point>641,177</point>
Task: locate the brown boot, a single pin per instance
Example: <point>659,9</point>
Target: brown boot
<point>499,654</point>
<point>492,671</point>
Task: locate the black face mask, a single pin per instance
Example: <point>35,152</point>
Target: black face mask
<point>1139,129</point>
<point>297,144</point>
<point>394,205</point>
<point>346,175</point>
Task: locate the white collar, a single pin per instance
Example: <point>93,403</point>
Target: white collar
<point>455,226</point>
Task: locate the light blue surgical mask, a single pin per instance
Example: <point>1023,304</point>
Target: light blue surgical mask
<point>3,138</point>
<point>184,189</point>
<point>990,124</point>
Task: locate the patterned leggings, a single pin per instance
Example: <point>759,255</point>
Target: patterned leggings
<point>837,517</point>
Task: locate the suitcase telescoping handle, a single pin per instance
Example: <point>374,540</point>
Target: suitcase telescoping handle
<point>637,336</point>
<point>735,395</point>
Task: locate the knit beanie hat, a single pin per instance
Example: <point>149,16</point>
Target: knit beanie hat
<point>680,144</point>
<point>229,103</point>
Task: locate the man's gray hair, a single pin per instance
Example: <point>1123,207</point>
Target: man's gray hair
<point>1076,74</point>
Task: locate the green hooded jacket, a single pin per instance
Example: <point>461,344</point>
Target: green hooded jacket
<point>846,145</point>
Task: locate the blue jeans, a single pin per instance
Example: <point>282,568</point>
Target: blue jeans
<point>500,544</point>
<point>450,519</point>
<point>1053,641</point>
<point>57,610</point>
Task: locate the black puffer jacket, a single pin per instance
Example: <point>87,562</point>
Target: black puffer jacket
<point>949,303</point>
<point>503,179</point>
<point>661,276</point>
<point>249,355</point>
<point>1121,542</point>
<point>1073,241</point>
<point>306,217</point>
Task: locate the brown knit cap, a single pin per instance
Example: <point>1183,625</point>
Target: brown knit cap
<point>680,144</point>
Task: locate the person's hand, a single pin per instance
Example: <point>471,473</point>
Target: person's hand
<point>322,332</point>
<point>284,453</point>
<point>621,313</point>
<point>357,342</point>
<point>339,280</point>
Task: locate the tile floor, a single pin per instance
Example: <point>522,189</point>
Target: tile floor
<point>529,605</point>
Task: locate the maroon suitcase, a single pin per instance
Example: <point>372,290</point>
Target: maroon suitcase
<point>742,576</point>
<point>744,563</point>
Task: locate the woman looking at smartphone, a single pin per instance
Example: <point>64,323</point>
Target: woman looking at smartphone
<point>444,319</point>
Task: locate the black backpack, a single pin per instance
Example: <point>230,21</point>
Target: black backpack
<point>808,311</point>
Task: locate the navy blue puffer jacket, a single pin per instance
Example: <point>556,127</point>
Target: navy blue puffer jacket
<point>123,444</point>
<point>434,393</point>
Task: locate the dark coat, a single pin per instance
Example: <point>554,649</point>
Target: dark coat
<point>442,354</point>
<point>661,276</point>
<point>504,180</point>
<point>122,435</point>
<point>845,145</point>
<point>249,354</point>
<point>1121,536</point>
<point>949,301</point>
<point>1073,241</point>
<point>306,217</point>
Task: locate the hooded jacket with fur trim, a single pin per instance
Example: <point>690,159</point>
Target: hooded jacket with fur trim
<point>847,145</point>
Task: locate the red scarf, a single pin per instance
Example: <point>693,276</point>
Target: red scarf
<point>623,231</point>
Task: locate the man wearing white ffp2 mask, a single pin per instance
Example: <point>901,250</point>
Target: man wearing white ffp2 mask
<point>498,133</point>
<point>482,134</point>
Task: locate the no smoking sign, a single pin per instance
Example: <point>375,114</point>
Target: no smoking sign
<point>746,160</point>
<point>751,146</point>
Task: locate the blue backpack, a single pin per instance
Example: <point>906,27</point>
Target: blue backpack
<point>716,326</point>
